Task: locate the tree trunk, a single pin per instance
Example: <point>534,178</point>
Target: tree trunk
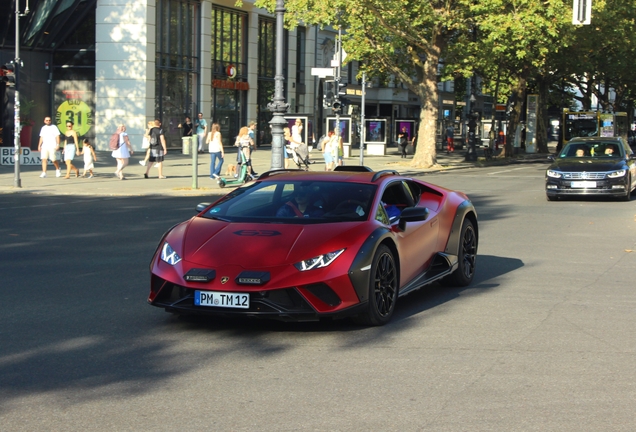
<point>426,153</point>
<point>517,100</point>
<point>542,118</point>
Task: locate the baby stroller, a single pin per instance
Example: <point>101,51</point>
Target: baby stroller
<point>300,155</point>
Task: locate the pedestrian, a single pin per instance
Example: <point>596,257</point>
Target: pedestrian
<point>450,139</point>
<point>326,151</point>
<point>215,147</point>
<point>48,145</point>
<point>337,149</point>
<point>252,132</point>
<point>403,139</point>
<point>188,127</point>
<point>288,141</point>
<point>158,149</point>
<point>123,152</point>
<point>297,132</point>
<point>71,147</point>
<point>89,158</point>
<point>245,145</point>
<point>146,142</point>
<point>201,127</point>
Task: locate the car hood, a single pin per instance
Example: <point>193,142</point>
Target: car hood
<point>216,243</point>
<point>587,164</point>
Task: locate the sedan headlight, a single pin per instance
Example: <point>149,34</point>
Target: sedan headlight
<point>554,174</point>
<point>318,262</point>
<point>619,173</point>
<point>168,255</point>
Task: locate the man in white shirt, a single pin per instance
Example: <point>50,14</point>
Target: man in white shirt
<point>48,146</point>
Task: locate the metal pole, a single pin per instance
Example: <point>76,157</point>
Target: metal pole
<point>337,77</point>
<point>194,145</point>
<point>362,134</point>
<point>16,118</point>
<point>278,106</point>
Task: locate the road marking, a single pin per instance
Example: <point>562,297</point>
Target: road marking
<point>510,170</point>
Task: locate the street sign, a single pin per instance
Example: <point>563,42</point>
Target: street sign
<point>322,72</point>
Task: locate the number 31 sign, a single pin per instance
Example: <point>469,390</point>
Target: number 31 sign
<point>76,111</point>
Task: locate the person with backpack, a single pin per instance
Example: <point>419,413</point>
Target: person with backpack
<point>158,149</point>
<point>123,151</point>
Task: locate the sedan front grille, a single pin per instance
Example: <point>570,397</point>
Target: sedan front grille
<point>584,175</point>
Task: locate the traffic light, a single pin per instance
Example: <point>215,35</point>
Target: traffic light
<point>7,74</point>
<point>336,106</point>
<point>328,94</point>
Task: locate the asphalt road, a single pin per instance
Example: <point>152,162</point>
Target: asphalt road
<point>542,341</point>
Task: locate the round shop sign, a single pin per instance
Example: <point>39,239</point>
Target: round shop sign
<point>76,111</point>
<point>231,71</point>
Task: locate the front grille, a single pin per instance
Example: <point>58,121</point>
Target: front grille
<point>584,175</point>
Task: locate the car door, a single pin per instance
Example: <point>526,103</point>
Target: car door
<point>417,242</point>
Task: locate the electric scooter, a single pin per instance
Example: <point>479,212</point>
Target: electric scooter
<point>242,174</point>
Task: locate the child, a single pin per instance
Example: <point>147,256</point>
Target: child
<point>89,158</point>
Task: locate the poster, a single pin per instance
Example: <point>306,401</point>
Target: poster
<point>345,128</point>
<point>375,130</point>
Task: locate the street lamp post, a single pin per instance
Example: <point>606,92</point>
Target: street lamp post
<point>278,106</point>
<point>17,63</point>
<point>471,154</point>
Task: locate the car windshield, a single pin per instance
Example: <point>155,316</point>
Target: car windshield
<point>295,202</point>
<point>593,149</point>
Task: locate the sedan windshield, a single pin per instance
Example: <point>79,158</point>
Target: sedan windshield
<point>592,149</point>
<point>295,202</point>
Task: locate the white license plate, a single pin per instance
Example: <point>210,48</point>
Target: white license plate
<point>584,184</point>
<point>222,299</point>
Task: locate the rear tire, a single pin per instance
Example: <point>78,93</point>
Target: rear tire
<point>466,257</point>
<point>383,289</point>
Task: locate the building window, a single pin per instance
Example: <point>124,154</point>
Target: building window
<point>177,65</point>
<point>267,74</point>
<point>229,66</point>
<point>301,42</point>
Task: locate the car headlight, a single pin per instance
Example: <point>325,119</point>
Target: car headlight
<point>168,255</point>
<point>554,174</point>
<point>318,262</point>
<point>619,173</point>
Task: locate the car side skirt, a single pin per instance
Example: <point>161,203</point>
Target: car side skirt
<point>442,265</point>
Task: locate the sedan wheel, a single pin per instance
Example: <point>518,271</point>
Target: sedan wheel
<point>627,195</point>
<point>466,256</point>
<point>383,289</point>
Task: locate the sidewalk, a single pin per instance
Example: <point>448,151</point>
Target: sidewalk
<point>178,169</point>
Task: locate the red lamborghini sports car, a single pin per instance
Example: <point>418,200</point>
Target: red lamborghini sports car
<point>299,246</point>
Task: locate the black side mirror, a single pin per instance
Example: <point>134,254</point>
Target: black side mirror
<point>412,214</point>
<point>201,206</point>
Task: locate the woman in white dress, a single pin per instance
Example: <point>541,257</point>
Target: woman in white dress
<point>123,153</point>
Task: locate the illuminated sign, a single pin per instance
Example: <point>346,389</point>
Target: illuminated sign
<point>231,85</point>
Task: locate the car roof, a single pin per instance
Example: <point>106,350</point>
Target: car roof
<point>595,139</point>
<point>354,175</point>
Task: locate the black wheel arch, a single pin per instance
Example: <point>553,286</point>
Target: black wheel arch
<point>465,210</point>
<point>360,269</point>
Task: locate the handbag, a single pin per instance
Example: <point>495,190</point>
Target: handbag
<point>145,143</point>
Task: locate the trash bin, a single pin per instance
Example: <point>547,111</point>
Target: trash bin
<point>346,150</point>
<point>186,142</point>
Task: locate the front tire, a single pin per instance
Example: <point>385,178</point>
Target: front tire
<point>628,194</point>
<point>467,257</point>
<point>383,289</point>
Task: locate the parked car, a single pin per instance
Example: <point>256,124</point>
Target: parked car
<point>592,166</point>
<point>299,246</point>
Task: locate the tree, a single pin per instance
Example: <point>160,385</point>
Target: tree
<point>403,38</point>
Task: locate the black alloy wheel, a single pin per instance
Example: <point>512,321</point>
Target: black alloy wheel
<point>383,289</point>
<point>467,257</point>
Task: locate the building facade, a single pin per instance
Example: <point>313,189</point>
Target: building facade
<point>101,63</point>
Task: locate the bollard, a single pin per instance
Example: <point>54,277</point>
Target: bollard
<point>195,162</point>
